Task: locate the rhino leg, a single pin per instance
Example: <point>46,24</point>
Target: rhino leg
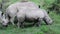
<point>12,21</point>
<point>22,25</point>
<point>20,22</point>
<point>38,22</point>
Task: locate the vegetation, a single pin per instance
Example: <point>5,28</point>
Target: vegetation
<point>0,3</point>
<point>43,29</point>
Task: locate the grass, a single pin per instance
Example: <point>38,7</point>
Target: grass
<point>43,29</point>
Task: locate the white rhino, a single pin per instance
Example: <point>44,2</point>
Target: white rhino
<point>37,14</point>
<point>3,21</point>
<point>12,10</point>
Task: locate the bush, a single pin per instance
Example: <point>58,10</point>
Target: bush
<point>6,3</point>
<point>0,4</point>
<point>55,6</point>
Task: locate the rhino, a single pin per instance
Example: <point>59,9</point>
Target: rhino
<point>3,21</point>
<point>33,15</point>
<point>13,9</point>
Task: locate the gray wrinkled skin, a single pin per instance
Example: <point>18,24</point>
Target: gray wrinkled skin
<point>17,7</point>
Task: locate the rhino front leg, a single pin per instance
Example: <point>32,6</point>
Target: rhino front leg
<point>12,21</point>
<point>18,25</point>
<point>20,22</point>
<point>38,22</point>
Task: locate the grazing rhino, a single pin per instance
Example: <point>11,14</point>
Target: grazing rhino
<point>4,21</point>
<point>12,10</point>
<point>32,15</point>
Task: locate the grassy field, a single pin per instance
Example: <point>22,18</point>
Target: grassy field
<point>43,29</point>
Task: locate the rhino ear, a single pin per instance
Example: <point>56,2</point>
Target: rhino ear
<point>48,12</point>
<point>39,6</point>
